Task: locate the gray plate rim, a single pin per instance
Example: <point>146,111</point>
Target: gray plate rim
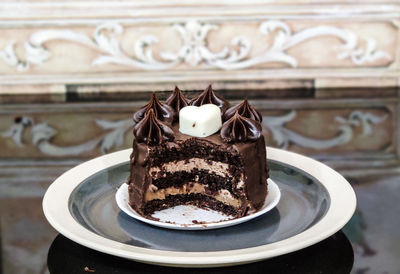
<point>341,208</point>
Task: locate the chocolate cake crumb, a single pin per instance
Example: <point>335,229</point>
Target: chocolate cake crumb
<point>153,188</point>
<point>198,222</point>
<point>18,119</point>
<point>214,182</point>
<point>196,199</point>
<point>87,269</point>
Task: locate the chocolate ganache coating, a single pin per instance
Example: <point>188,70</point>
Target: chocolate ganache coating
<point>208,96</point>
<point>240,129</point>
<point>162,111</point>
<point>247,157</point>
<point>177,101</point>
<point>245,110</point>
<point>239,146</point>
<point>152,131</point>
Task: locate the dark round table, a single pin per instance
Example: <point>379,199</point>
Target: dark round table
<point>333,255</point>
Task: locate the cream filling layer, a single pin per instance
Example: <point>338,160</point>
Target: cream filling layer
<point>221,169</point>
<point>223,195</point>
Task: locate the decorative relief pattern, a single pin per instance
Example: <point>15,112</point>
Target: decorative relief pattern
<point>43,133</point>
<point>109,47</point>
<point>194,49</point>
<point>284,136</point>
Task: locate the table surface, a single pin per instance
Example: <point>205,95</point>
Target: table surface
<point>335,256</point>
<point>30,245</point>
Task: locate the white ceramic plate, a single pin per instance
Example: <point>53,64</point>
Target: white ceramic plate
<point>180,217</point>
<point>336,212</point>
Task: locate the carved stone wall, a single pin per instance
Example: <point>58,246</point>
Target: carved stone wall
<point>197,45</point>
<point>63,43</point>
<point>301,62</point>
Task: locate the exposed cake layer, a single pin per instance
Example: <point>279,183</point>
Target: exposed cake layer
<point>237,169</point>
<point>222,195</point>
<point>184,147</point>
<point>196,199</point>
<point>215,175</point>
<point>213,181</point>
<point>196,175</point>
<point>189,165</point>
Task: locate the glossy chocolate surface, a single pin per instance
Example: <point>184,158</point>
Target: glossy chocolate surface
<point>244,109</point>
<point>152,131</point>
<point>240,129</point>
<point>162,111</point>
<point>208,96</point>
<point>177,101</point>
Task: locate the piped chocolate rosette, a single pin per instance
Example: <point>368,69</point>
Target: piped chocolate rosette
<point>152,131</point>
<point>197,152</point>
<point>162,111</point>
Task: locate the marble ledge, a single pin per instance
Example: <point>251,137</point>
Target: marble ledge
<point>262,89</point>
<point>356,88</point>
<point>355,82</point>
<point>43,9</point>
<point>41,93</point>
<point>58,93</point>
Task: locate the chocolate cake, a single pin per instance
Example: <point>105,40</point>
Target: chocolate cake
<point>198,152</point>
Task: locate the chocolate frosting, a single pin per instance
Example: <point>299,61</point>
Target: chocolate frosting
<point>208,96</point>
<point>240,145</point>
<point>177,101</point>
<point>244,109</point>
<point>240,129</point>
<point>249,157</point>
<point>152,131</point>
<point>254,157</point>
<point>162,111</point>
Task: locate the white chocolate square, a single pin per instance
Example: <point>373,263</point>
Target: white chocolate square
<point>200,121</point>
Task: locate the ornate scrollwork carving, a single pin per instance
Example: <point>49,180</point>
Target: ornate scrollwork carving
<point>284,136</point>
<point>194,48</point>
<point>113,137</point>
<point>42,135</point>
